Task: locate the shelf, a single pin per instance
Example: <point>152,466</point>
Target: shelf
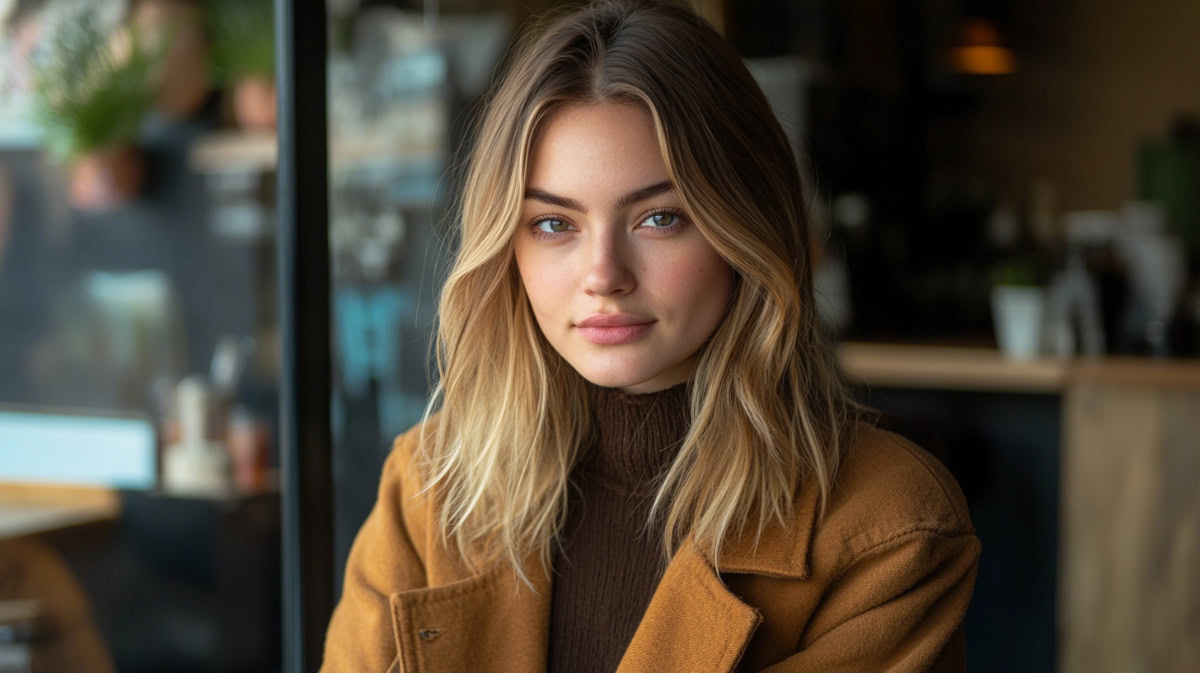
<point>903,366</point>
<point>986,369</point>
<point>234,151</point>
<point>242,151</point>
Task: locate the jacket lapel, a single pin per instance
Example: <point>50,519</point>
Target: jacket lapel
<point>494,623</point>
<point>693,623</point>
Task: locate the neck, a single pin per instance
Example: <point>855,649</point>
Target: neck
<point>635,437</point>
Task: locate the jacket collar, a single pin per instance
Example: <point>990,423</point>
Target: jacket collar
<point>493,622</point>
<point>781,551</point>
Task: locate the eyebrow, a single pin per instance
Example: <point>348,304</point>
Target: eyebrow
<point>626,199</point>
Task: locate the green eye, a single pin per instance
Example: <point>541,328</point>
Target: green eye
<point>552,226</point>
<point>661,220</point>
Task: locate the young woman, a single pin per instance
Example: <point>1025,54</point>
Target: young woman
<point>643,459</point>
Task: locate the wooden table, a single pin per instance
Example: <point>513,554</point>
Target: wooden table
<point>34,509</point>
<point>1129,548</point>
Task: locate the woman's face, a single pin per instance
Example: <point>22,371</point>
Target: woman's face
<point>623,286</point>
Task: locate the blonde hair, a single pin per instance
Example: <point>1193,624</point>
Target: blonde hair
<point>768,407</point>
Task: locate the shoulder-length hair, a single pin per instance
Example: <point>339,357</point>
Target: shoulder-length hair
<point>768,407</point>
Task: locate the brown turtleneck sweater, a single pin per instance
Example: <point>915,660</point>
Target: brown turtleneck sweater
<point>611,563</point>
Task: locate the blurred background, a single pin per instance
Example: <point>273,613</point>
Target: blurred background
<point>1006,199</point>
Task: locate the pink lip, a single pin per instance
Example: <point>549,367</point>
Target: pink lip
<point>613,320</point>
<point>614,328</point>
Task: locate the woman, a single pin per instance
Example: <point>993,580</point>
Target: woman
<point>643,455</point>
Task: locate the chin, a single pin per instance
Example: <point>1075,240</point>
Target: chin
<point>607,379</point>
<point>628,376</point>
<point>617,376</point>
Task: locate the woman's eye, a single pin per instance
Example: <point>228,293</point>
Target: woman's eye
<point>552,226</point>
<point>661,220</point>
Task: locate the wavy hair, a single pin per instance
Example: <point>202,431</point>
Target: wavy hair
<point>769,409</point>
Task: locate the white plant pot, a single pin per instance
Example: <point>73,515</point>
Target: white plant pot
<point>1018,313</point>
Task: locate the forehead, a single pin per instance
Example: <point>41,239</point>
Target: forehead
<point>591,152</point>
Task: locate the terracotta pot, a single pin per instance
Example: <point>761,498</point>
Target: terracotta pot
<point>254,103</point>
<point>105,179</point>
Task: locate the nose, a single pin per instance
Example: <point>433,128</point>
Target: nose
<point>609,268</point>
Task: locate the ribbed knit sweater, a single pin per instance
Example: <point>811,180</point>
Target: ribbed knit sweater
<point>611,561</point>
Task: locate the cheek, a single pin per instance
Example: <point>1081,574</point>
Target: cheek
<point>697,282</point>
<point>544,280</point>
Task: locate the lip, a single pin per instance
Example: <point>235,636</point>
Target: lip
<point>613,320</point>
<point>615,328</point>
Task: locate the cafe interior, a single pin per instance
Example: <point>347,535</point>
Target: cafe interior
<point>1007,200</point>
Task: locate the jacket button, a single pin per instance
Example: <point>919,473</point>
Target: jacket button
<point>429,634</point>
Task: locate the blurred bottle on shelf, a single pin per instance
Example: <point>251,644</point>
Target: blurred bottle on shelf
<point>249,440</point>
<point>1157,271</point>
<point>1073,312</point>
<point>213,436</point>
<point>1126,265</point>
<point>195,464</point>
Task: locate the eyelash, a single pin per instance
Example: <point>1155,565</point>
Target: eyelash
<point>660,231</point>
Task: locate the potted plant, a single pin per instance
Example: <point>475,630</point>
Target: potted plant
<point>242,50</point>
<point>91,91</point>
<point>1018,308</point>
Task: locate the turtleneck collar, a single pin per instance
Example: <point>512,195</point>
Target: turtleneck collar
<point>635,437</point>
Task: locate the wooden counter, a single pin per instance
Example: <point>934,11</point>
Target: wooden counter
<point>33,509</point>
<point>936,367</point>
<point>986,369</point>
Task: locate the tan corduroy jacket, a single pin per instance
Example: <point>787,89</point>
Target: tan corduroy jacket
<point>881,584</point>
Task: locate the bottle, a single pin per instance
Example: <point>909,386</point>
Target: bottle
<point>1074,320</point>
<point>195,464</point>
<point>248,440</point>
<point>1092,233</point>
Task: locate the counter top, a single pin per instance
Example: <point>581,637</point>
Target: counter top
<point>32,509</point>
<point>986,369</point>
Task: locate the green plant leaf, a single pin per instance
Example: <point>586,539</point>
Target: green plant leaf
<point>242,39</point>
<point>87,97</point>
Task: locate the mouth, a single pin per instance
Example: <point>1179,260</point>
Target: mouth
<point>614,329</point>
<point>618,334</point>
